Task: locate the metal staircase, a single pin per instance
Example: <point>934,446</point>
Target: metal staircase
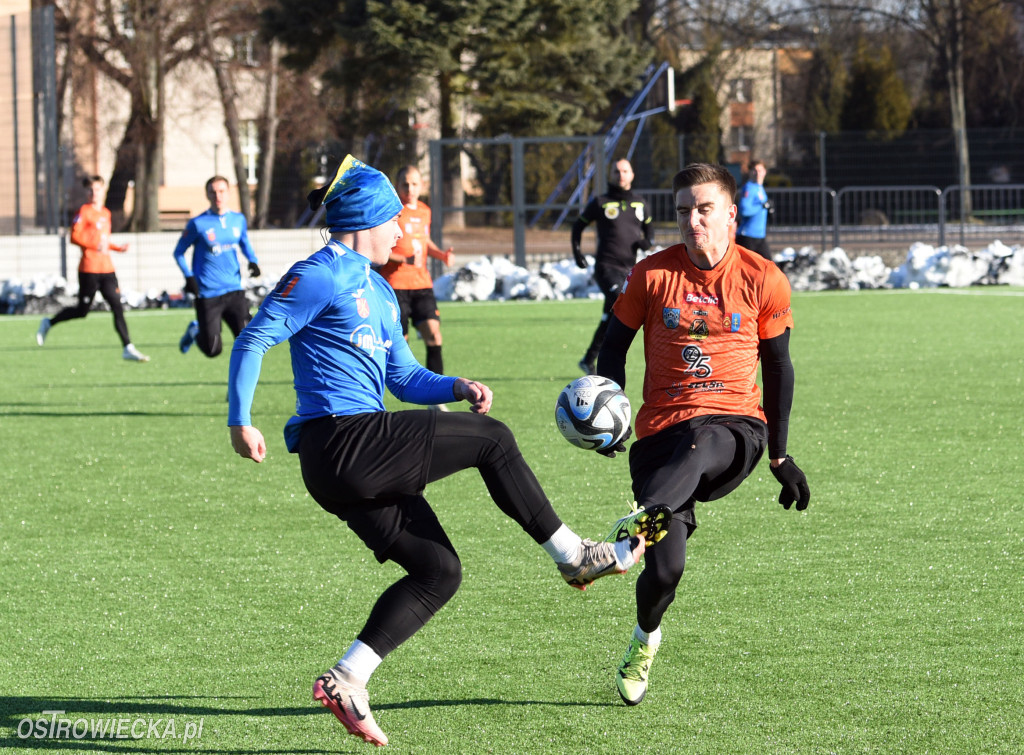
<point>583,168</point>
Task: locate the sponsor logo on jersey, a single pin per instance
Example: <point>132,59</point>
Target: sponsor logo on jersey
<point>211,235</point>
<point>638,210</point>
<point>670,316</point>
<point>699,330</point>
<point>782,312</point>
<point>700,313</point>
<point>237,231</point>
<point>611,211</point>
<point>364,339</point>
<point>702,299</point>
<point>706,386</point>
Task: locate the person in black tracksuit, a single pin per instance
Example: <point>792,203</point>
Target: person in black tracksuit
<point>623,229</point>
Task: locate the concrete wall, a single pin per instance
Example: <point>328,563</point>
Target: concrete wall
<point>148,265</point>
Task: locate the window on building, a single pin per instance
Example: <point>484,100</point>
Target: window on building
<point>248,136</point>
<point>739,138</point>
<point>741,90</point>
<point>125,21</point>
<point>243,48</point>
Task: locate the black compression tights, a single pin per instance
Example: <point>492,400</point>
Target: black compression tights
<point>704,453</point>
<point>433,575</point>
<point>423,549</point>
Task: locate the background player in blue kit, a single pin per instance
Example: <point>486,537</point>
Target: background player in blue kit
<point>753,207</point>
<point>369,466</point>
<point>215,278</point>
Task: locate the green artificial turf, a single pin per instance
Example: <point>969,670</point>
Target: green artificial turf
<point>148,573</point>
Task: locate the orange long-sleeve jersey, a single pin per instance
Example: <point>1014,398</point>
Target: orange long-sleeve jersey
<point>701,332</point>
<point>91,231</point>
<point>412,274</point>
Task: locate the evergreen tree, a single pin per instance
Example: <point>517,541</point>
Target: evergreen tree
<point>826,90</point>
<point>701,122</point>
<point>876,100</point>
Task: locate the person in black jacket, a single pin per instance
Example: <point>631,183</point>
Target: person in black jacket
<point>623,229</point>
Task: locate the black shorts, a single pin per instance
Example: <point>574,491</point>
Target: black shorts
<point>369,470</point>
<point>418,305</point>
<point>232,308</point>
<point>755,245</point>
<point>651,453</point>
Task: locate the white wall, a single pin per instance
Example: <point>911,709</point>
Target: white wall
<point>149,262</point>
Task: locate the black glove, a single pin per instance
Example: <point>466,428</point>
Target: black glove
<point>619,447</point>
<point>794,484</point>
<point>581,261</point>
<point>254,270</point>
<point>192,285</point>
<point>641,246</point>
<point>770,207</point>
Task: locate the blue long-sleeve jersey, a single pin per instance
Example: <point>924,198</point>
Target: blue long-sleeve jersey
<point>341,320</point>
<point>753,220</point>
<point>217,240</point>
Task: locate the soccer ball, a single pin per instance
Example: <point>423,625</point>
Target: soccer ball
<point>592,412</point>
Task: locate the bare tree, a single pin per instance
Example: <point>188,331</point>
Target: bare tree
<point>135,44</point>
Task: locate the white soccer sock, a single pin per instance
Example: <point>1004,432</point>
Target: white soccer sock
<point>563,546</point>
<point>624,553</point>
<point>651,639</point>
<point>360,660</point>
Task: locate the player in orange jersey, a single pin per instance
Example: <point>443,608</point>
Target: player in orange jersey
<point>710,311</point>
<point>406,270</point>
<point>90,230</point>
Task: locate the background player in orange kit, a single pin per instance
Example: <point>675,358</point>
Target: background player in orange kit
<point>406,269</point>
<point>90,230</point>
<point>710,311</point>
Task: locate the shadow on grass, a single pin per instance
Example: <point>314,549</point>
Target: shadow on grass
<point>14,710</point>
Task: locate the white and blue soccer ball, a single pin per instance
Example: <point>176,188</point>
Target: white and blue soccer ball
<point>592,412</point>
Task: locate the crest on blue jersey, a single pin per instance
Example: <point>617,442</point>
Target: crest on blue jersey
<point>670,316</point>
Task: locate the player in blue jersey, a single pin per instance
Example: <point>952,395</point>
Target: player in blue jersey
<point>369,466</point>
<point>753,208</point>
<point>215,278</point>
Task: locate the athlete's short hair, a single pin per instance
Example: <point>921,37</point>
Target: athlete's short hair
<point>695,174</point>
<point>88,181</point>
<point>404,171</point>
<point>214,180</point>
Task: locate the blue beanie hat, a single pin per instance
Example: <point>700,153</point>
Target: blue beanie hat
<point>359,197</point>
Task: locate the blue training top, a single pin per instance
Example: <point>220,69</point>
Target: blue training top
<point>217,240</point>
<point>753,220</point>
<point>341,319</point>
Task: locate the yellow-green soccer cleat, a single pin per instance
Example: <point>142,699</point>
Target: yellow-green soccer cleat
<point>631,678</point>
<point>652,524</point>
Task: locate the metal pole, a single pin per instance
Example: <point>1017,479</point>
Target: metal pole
<point>518,202</point>
<point>961,138</point>
<point>14,112</point>
<point>436,193</point>
<point>823,179</point>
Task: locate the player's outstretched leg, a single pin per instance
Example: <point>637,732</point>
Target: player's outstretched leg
<point>132,354</point>
<point>189,337</point>
<point>652,524</point>
<point>44,328</point>
<point>631,678</point>
<point>347,698</point>
<point>596,560</point>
